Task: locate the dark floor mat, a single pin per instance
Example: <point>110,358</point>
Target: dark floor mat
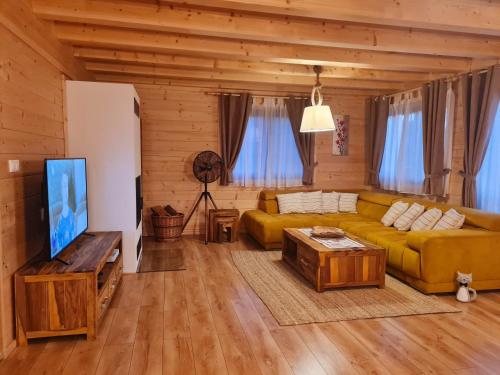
<point>161,256</point>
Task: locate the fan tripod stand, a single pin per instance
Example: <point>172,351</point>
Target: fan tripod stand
<point>207,166</point>
<point>204,195</point>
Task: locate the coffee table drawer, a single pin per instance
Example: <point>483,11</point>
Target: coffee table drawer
<point>307,263</point>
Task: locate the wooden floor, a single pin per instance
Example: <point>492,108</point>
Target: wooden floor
<point>207,320</point>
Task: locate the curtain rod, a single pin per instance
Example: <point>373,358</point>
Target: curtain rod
<point>452,78</point>
<point>255,96</point>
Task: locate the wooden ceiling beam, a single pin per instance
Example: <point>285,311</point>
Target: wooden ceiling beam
<point>482,64</point>
<point>152,41</point>
<point>268,28</point>
<point>16,16</point>
<point>154,71</point>
<point>477,17</point>
<point>198,63</point>
<point>256,88</point>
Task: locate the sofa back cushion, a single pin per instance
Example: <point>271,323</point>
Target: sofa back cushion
<point>405,221</point>
<point>375,204</point>
<point>348,202</point>
<point>378,198</point>
<point>290,203</point>
<point>450,220</point>
<point>312,202</point>
<point>269,204</point>
<point>473,217</point>
<point>330,202</point>
<point>268,201</point>
<point>371,210</point>
<point>396,210</point>
<point>427,220</point>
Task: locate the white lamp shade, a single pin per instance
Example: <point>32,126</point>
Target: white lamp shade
<point>317,118</point>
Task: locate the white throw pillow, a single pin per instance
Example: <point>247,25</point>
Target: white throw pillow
<point>330,202</point>
<point>450,220</point>
<point>427,220</point>
<point>312,202</point>
<point>290,203</point>
<point>397,209</point>
<point>405,221</point>
<point>347,202</point>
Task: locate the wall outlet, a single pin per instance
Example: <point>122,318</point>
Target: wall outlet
<point>13,166</point>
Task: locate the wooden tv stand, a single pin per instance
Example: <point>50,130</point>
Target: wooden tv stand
<point>55,299</point>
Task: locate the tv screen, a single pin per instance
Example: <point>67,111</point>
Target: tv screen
<point>66,186</point>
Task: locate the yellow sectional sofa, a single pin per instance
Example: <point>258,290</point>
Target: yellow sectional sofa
<point>428,260</point>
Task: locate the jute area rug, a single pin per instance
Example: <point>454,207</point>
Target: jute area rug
<point>292,300</point>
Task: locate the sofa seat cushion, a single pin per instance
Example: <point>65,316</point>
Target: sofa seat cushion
<point>393,241</point>
<point>384,238</point>
<point>402,258</point>
<point>281,221</point>
<point>363,228</point>
<point>269,228</point>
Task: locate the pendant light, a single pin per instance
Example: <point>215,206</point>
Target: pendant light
<point>317,117</point>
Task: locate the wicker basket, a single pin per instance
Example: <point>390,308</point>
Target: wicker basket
<point>168,228</point>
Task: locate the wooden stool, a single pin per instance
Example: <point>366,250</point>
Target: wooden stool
<point>230,217</point>
<point>227,229</point>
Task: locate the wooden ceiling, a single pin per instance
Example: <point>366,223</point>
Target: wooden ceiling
<point>380,45</point>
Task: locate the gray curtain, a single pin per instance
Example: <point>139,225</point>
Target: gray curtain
<point>433,123</point>
<point>305,141</point>
<point>233,116</point>
<point>481,93</point>
<point>377,112</point>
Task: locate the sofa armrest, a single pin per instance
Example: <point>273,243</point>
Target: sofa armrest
<point>443,253</point>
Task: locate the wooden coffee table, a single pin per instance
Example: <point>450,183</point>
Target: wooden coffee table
<point>334,268</point>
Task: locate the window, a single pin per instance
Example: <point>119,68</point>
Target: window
<point>402,166</point>
<point>269,155</point>
<point>488,178</point>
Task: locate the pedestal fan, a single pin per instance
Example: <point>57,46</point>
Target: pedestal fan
<point>207,167</point>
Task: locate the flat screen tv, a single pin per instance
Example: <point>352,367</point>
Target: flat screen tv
<point>66,201</point>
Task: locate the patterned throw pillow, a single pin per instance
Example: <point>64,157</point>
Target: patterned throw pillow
<point>397,209</point>
<point>427,220</point>
<point>405,221</point>
<point>290,203</point>
<point>450,220</point>
<point>330,202</point>
<point>347,202</point>
<point>312,202</point>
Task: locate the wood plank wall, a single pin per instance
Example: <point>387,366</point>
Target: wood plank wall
<point>31,129</point>
<point>178,122</point>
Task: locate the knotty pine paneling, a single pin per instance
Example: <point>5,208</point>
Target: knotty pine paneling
<point>178,122</point>
<point>31,129</point>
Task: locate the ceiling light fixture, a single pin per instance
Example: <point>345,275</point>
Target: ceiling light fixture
<point>317,117</point>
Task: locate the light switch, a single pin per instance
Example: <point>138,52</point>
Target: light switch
<point>13,166</point>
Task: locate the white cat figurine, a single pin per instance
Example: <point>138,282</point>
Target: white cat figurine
<point>464,292</point>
